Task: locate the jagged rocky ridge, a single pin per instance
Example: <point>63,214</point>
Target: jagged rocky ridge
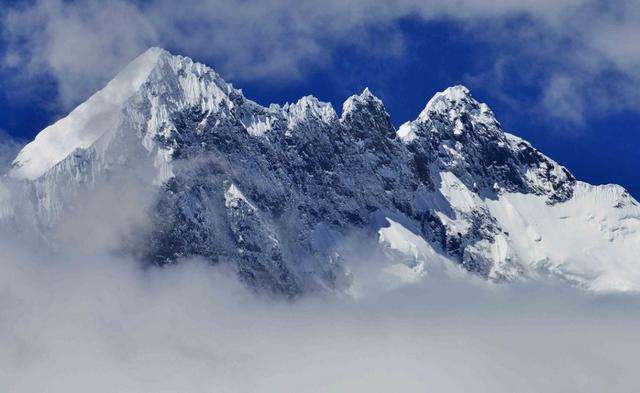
<point>279,193</point>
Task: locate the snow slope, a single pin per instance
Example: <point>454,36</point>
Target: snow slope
<point>85,124</point>
<point>593,239</point>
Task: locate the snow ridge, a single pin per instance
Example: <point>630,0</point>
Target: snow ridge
<point>280,193</point>
<point>88,122</point>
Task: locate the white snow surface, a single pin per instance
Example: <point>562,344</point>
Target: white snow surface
<point>86,123</point>
<point>452,101</point>
<point>414,258</point>
<point>593,239</point>
<point>406,132</point>
<point>350,104</point>
<point>309,107</point>
<point>233,196</point>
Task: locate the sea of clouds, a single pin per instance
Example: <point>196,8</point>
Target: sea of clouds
<point>75,322</point>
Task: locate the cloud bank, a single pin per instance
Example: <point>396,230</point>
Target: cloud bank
<point>75,323</point>
<point>580,54</point>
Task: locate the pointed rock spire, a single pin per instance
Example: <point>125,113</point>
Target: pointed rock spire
<point>86,123</point>
<point>309,109</point>
<point>365,114</point>
<point>456,98</point>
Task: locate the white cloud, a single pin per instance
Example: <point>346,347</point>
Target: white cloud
<point>80,45</point>
<point>562,100</point>
<point>83,43</point>
<point>9,147</point>
<point>75,323</point>
<point>581,55</point>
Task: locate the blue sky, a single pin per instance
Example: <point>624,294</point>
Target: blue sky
<point>563,74</point>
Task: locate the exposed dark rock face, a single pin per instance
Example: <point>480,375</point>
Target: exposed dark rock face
<point>320,174</point>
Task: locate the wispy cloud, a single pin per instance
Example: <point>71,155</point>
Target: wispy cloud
<point>563,47</point>
<point>578,55</point>
<point>9,147</point>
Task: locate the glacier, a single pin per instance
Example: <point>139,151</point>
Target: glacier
<point>288,196</point>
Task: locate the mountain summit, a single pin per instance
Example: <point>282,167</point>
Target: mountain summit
<point>290,196</point>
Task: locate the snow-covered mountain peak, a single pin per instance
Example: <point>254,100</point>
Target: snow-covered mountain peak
<point>366,92</point>
<point>156,52</point>
<point>358,101</point>
<point>86,123</point>
<point>454,93</point>
<point>157,83</point>
<point>196,80</point>
<point>454,101</point>
<point>450,96</point>
<point>309,109</point>
<point>467,139</point>
<point>366,114</point>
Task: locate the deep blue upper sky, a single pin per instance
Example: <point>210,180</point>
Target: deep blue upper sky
<point>600,149</point>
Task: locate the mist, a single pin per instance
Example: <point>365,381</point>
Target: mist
<point>70,322</point>
<point>9,147</point>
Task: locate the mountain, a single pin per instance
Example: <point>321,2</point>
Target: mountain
<point>291,196</point>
